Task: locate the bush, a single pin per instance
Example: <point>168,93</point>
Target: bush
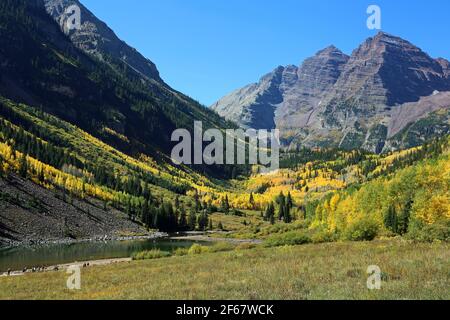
<point>197,249</point>
<point>291,238</point>
<point>323,236</point>
<point>362,230</point>
<point>221,247</point>
<point>439,231</point>
<point>237,213</point>
<point>152,254</point>
<point>181,252</point>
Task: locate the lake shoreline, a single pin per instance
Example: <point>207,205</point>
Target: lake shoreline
<point>189,236</point>
<point>65,266</point>
<point>43,242</point>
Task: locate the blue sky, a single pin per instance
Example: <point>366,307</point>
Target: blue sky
<point>207,48</point>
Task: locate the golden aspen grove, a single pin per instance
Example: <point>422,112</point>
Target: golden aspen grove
<point>356,196</point>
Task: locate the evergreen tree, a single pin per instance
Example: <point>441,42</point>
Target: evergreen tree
<point>183,223</point>
<point>192,220</point>
<point>198,206</point>
<point>225,205</point>
<point>145,213</point>
<point>23,166</point>
<point>177,203</point>
<point>390,219</point>
<point>129,209</point>
<point>146,191</point>
<point>281,201</point>
<point>403,219</point>
<point>287,214</point>
<point>202,221</point>
<point>270,212</point>
<point>210,227</point>
<point>272,220</point>
<point>252,201</point>
<point>289,201</point>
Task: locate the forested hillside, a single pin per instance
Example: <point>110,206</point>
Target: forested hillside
<point>106,98</point>
<point>61,157</point>
<point>331,191</point>
<point>89,129</point>
<point>91,138</point>
<point>334,194</point>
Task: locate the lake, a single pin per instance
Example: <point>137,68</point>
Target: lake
<point>16,258</point>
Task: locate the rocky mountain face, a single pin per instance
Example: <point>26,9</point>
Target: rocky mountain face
<point>96,38</point>
<point>445,64</point>
<point>335,100</point>
<point>285,90</point>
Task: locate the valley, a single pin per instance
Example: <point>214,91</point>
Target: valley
<point>87,171</point>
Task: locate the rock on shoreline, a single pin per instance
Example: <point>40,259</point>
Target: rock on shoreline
<point>4,244</point>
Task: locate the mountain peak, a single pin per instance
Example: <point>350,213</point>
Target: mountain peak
<point>330,48</point>
<point>337,100</point>
<point>329,51</point>
<point>387,69</point>
<point>383,40</point>
<point>382,34</point>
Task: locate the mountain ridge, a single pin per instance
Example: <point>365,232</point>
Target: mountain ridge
<point>95,37</point>
<point>336,100</point>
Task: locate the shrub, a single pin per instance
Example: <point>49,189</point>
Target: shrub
<point>197,249</point>
<point>221,247</point>
<point>362,230</point>
<point>152,254</point>
<point>181,252</point>
<point>322,236</point>
<point>439,231</point>
<point>289,238</point>
<point>237,213</point>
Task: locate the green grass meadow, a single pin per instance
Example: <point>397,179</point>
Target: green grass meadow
<point>314,271</point>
